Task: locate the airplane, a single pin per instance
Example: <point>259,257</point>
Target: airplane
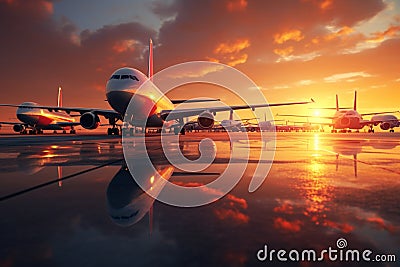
<point>347,119</point>
<point>120,89</point>
<point>386,122</point>
<point>38,119</point>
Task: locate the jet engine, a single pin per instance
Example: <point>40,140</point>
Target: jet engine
<point>205,120</point>
<point>345,122</point>
<point>18,128</point>
<point>385,126</point>
<point>89,120</point>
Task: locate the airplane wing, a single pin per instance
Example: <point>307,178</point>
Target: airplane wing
<point>181,113</point>
<point>107,113</point>
<point>377,113</point>
<point>12,123</point>
<point>180,101</point>
<point>66,124</point>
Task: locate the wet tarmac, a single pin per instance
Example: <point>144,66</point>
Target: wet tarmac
<point>71,201</point>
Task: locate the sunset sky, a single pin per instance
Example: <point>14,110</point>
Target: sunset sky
<point>292,50</point>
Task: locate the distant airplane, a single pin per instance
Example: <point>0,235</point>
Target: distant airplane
<point>347,119</point>
<point>34,119</point>
<point>120,89</point>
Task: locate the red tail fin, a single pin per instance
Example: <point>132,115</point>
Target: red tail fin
<point>59,97</point>
<point>150,74</point>
<point>337,103</point>
<point>355,100</point>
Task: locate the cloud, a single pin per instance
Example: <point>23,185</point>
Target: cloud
<point>349,76</point>
<point>391,32</point>
<point>236,5</point>
<point>231,53</point>
<point>294,35</point>
<point>288,226</point>
<point>124,45</point>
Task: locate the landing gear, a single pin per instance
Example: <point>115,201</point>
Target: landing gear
<point>113,131</point>
<point>64,131</point>
<point>176,130</point>
<point>371,129</point>
<point>391,131</point>
<point>72,131</point>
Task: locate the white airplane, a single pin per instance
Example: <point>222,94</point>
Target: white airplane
<point>38,119</point>
<point>347,119</point>
<point>120,89</point>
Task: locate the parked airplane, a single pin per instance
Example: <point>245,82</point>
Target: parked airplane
<point>386,122</point>
<point>347,119</point>
<point>35,119</point>
<point>120,89</point>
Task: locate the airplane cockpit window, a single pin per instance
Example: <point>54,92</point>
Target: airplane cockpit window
<point>115,77</point>
<point>133,77</point>
<point>124,77</point>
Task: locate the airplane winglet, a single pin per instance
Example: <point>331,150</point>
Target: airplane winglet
<point>312,100</point>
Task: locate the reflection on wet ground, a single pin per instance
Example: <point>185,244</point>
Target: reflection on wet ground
<point>66,202</point>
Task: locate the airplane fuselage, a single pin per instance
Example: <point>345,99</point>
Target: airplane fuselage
<point>347,119</point>
<point>41,118</point>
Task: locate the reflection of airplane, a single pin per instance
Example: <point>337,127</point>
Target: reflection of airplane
<point>347,119</point>
<point>386,122</point>
<point>127,202</point>
<point>120,89</point>
<point>40,119</point>
<point>342,148</point>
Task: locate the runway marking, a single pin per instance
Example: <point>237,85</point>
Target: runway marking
<point>24,191</point>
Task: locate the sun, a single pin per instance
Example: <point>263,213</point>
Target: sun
<point>317,113</point>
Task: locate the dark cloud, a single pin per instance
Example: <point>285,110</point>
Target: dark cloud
<point>39,53</point>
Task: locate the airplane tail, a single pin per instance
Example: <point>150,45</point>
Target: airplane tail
<point>355,100</point>
<point>150,74</point>
<point>337,103</point>
<point>59,97</point>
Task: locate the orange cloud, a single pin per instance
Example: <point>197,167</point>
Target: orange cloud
<point>341,32</point>
<point>229,48</point>
<point>382,224</point>
<point>124,45</point>
<point>286,207</point>
<point>295,35</point>
<point>237,5</point>
<point>231,52</point>
<point>326,4</point>
<point>283,52</point>
<point>378,37</point>
<point>344,227</point>
<point>235,215</point>
<point>294,226</point>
